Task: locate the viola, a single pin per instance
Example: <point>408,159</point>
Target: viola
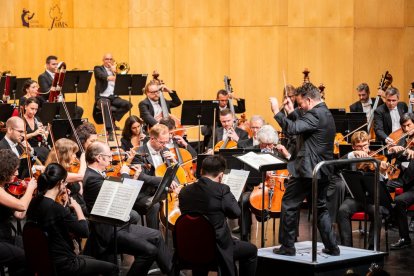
<point>274,191</point>
<point>18,187</point>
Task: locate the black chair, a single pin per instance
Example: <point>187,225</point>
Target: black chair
<point>191,251</point>
<point>37,250</point>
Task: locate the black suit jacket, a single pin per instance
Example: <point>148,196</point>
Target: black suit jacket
<point>357,106</point>
<point>247,143</point>
<point>23,167</point>
<point>215,201</point>
<point>219,135</point>
<point>146,111</point>
<point>315,130</point>
<point>45,82</point>
<point>101,82</point>
<point>382,120</point>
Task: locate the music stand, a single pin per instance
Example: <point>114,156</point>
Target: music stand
<point>12,86</point>
<point>130,84</point>
<point>6,111</point>
<point>355,120</point>
<point>76,81</point>
<point>198,112</point>
<point>200,159</point>
<point>340,119</point>
<point>18,88</point>
<point>162,193</point>
<point>52,111</point>
<point>61,129</point>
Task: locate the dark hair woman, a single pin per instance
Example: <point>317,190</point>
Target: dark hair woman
<point>59,223</point>
<point>132,134</point>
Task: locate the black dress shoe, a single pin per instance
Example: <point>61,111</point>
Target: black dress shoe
<point>401,243</point>
<point>332,251</point>
<point>282,250</point>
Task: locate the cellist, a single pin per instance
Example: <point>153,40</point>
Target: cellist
<point>365,103</point>
<point>181,141</point>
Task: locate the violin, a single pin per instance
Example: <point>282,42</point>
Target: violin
<point>274,190</point>
<point>18,187</point>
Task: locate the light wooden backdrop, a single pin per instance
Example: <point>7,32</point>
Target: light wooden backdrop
<point>194,43</point>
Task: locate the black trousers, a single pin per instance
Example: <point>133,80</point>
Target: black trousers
<point>78,112</point>
<point>151,214</point>
<point>243,252</point>
<point>119,107</point>
<point>146,245</point>
<point>296,191</point>
<point>402,202</point>
<point>14,258</point>
<point>86,265</point>
<point>346,210</point>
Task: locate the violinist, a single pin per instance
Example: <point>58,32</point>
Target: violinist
<point>256,123</point>
<point>387,116</point>
<point>45,81</point>
<point>150,108</point>
<point>132,134</point>
<point>405,146</point>
<point>64,153</point>
<point>11,255</point>
<point>59,224</point>
<point>36,133</point>
<point>154,153</point>
<point>87,135</point>
<point>147,245</point>
<point>181,141</point>
<point>360,146</point>
<point>105,76</point>
<point>14,141</point>
<point>268,142</point>
<point>30,90</point>
<point>227,130</point>
<point>365,103</point>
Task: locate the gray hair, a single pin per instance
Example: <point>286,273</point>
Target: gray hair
<point>267,134</point>
<point>258,118</point>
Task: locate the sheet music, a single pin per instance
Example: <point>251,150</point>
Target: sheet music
<point>256,160</point>
<point>236,180</point>
<point>115,199</point>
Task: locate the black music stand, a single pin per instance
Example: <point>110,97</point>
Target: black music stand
<point>12,86</point>
<point>19,88</point>
<point>6,111</point>
<point>198,112</point>
<point>61,129</point>
<point>341,123</point>
<point>162,193</point>
<point>76,81</point>
<point>263,169</point>
<point>355,120</point>
<point>130,84</point>
<point>52,111</point>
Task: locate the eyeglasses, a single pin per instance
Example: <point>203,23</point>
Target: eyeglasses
<point>19,131</point>
<point>107,155</point>
<point>161,142</point>
<point>361,146</point>
<point>154,92</point>
<point>108,58</point>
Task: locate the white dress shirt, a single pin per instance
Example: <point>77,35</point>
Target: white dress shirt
<point>395,119</point>
<point>157,107</point>
<point>111,85</point>
<point>155,155</point>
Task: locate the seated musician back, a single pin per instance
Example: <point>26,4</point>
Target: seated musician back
<point>227,131</point>
<point>365,103</point>
<point>360,146</point>
<point>211,198</point>
<point>387,116</point>
<point>147,245</point>
<point>59,224</point>
<point>150,108</point>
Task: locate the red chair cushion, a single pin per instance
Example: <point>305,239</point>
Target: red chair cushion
<point>358,216</point>
<point>398,191</point>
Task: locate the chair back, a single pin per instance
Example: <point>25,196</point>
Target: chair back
<point>195,243</point>
<point>37,250</point>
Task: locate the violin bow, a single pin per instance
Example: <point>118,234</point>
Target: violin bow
<point>72,126</point>
<point>26,146</point>
<point>113,130</point>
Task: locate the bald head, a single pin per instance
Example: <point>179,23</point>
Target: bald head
<point>107,60</point>
<point>15,129</point>
<point>14,122</point>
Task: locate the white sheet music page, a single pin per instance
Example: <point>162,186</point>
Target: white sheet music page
<point>256,160</point>
<point>236,180</point>
<point>115,199</point>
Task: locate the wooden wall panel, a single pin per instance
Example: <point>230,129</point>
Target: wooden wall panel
<point>375,51</point>
<point>409,17</point>
<point>320,13</point>
<point>257,65</point>
<point>408,59</point>
<point>373,13</point>
<point>261,13</point>
<point>151,13</point>
<point>7,9</point>
<point>326,53</point>
<point>197,13</point>
<point>101,14</point>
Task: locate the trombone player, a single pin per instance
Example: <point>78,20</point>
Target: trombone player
<point>105,76</point>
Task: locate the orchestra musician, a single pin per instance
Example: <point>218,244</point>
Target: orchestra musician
<point>105,76</point>
<point>214,200</point>
<point>154,153</point>
<point>59,224</point>
<point>146,244</point>
<point>132,134</point>
<point>36,134</point>
<point>226,131</point>
<point>256,122</point>
<point>181,141</point>
<point>14,141</point>
<point>150,108</point>
<point>87,135</point>
<point>365,103</point>
<point>268,142</point>
<point>45,81</point>
<point>315,130</point>
<point>360,146</point>
<point>387,116</point>
<point>11,255</point>
<point>31,90</point>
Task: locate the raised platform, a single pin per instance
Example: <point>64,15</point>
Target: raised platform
<point>359,260</point>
